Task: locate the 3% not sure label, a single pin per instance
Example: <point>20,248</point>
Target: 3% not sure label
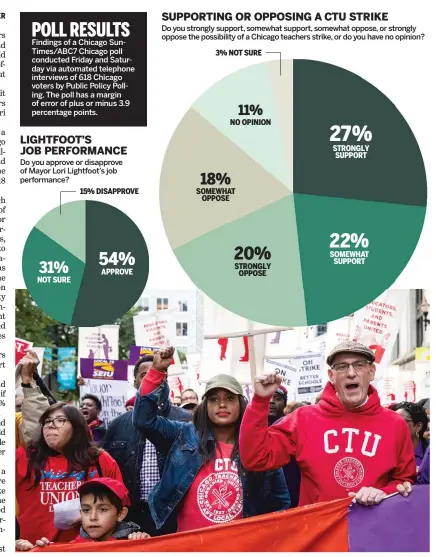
<point>252,269</point>
<point>344,254</point>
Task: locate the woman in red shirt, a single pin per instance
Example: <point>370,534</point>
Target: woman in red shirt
<point>51,471</point>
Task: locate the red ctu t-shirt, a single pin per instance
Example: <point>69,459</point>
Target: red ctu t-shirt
<point>36,513</point>
<point>215,496</point>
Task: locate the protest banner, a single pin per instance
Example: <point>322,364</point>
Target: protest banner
<point>377,324</point>
<point>106,379</point>
<point>67,372</point>
<point>230,342</point>
<point>194,372</point>
<point>21,346</point>
<point>397,524</point>
<point>422,372</point>
<point>99,342</point>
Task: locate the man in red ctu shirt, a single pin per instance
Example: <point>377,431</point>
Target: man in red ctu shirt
<point>348,444</point>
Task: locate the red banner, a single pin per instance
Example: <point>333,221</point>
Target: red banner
<point>320,527</point>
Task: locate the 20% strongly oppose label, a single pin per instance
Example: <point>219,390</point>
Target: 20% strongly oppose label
<point>85,263</point>
<point>254,269</point>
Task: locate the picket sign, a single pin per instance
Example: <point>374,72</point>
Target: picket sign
<point>250,334</point>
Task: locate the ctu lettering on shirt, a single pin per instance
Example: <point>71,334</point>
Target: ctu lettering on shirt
<point>225,464</point>
<point>352,438</point>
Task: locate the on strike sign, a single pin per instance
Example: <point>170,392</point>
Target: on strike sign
<point>20,347</point>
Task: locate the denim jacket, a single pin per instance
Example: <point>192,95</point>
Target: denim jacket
<point>263,492</point>
<point>126,445</point>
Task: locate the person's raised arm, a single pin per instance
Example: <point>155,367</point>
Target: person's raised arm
<point>153,391</point>
<point>34,402</point>
<point>262,447</point>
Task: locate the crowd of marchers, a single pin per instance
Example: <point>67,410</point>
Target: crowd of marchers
<point>161,468</point>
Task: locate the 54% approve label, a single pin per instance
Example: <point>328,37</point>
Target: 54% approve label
<point>342,255</point>
<point>252,269</point>
<point>110,261</point>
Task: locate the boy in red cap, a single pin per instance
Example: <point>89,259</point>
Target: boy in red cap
<point>103,508</point>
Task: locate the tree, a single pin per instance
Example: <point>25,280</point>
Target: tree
<point>32,324</point>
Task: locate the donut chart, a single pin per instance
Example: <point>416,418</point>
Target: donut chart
<point>293,194</point>
<point>85,263</point>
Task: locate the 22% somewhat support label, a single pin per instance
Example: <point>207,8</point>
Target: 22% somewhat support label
<point>255,269</point>
<point>110,262</point>
<point>344,256</point>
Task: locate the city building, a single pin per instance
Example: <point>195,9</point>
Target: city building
<point>185,318</point>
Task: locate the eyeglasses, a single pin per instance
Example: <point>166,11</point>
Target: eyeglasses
<point>359,365</point>
<point>57,422</point>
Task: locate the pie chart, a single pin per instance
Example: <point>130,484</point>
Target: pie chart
<point>85,263</point>
<point>293,193</point>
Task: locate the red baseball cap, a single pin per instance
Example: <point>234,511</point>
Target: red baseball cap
<point>118,488</point>
<point>283,391</point>
<point>130,402</point>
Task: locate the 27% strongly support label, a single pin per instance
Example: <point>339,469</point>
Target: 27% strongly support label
<point>109,262</point>
<point>255,269</point>
<point>344,256</point>
<point>347,134</point>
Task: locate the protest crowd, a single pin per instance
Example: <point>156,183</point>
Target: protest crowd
<point>160,468</point>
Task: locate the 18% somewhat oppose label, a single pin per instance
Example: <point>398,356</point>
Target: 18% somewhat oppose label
<point>346,134</point>
<point>215,193</point>
<point>252,269</point>
<point>347,256</point>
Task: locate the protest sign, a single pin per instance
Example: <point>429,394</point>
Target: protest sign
<point>377,324</point>
<point>106,379</point>
<point>288,374</point>
<point>137,352</point>
<point>152,331</point>
<point>99,342</point>
<point>21,346</point>
<point>422,372</point>
<point>40,352</point>
<point>309,375</point>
